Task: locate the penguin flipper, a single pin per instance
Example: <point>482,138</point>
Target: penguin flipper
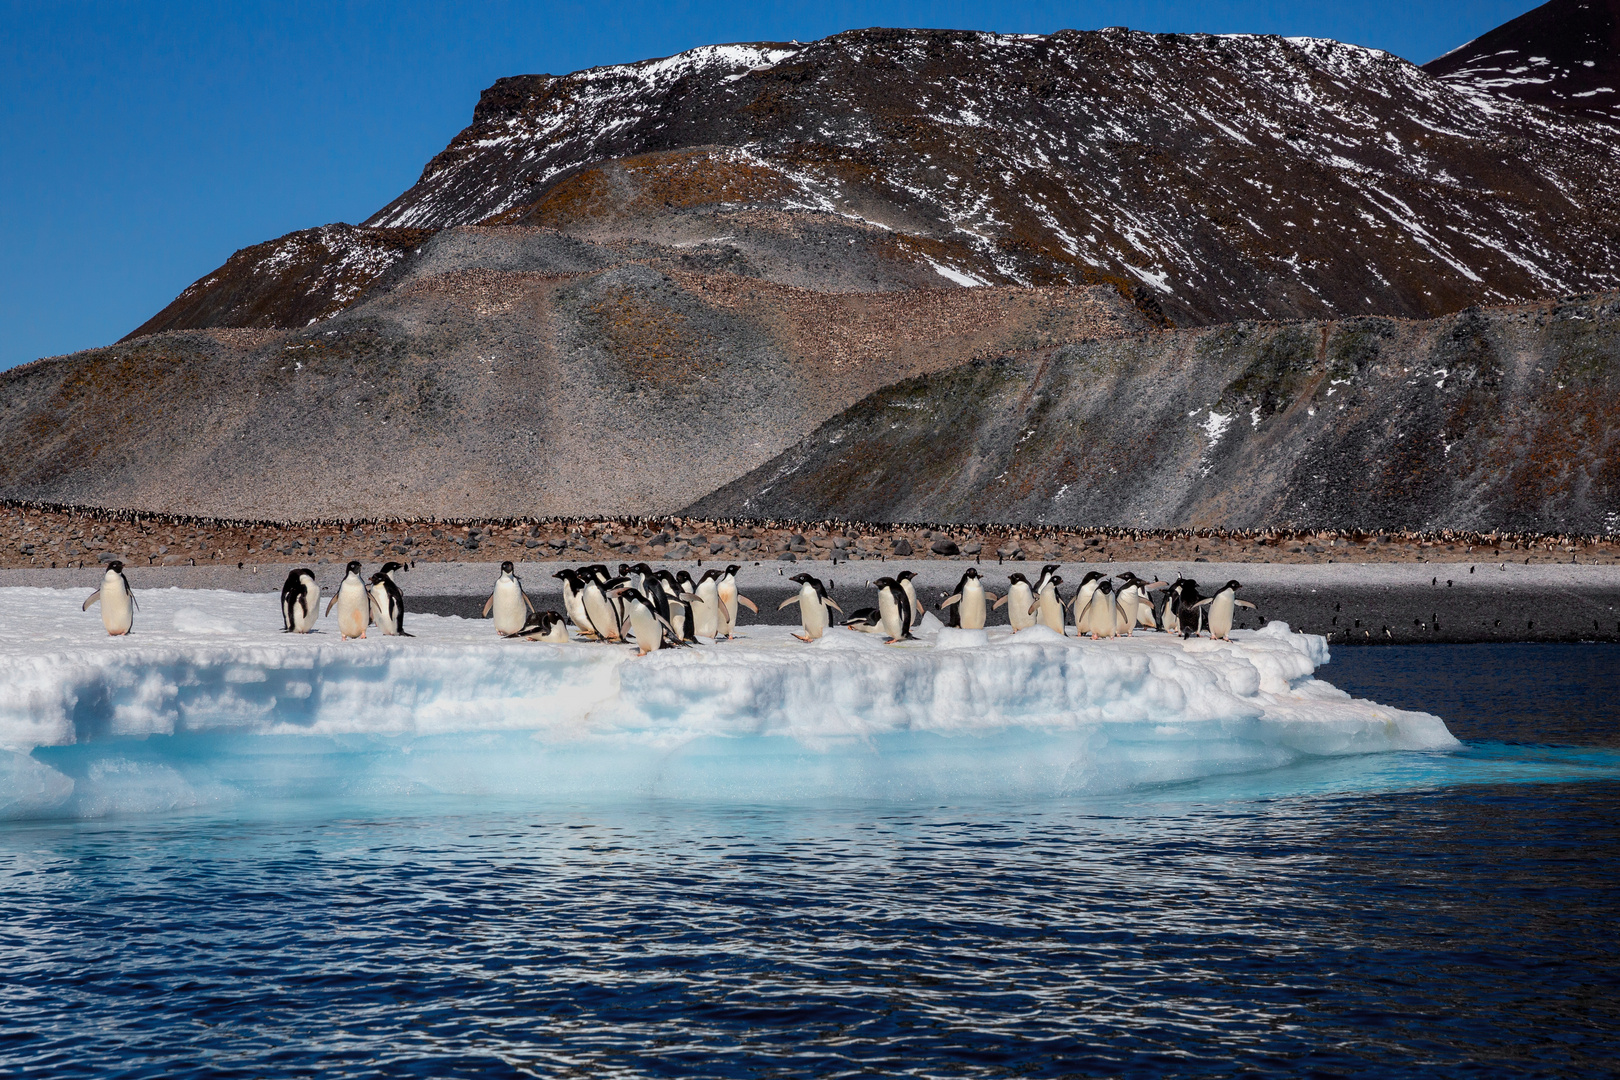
<point>332,603</point>
<point>834,605</point>
<point>491,603</point>
<point>794,599</point>
<point>999,602</point>
<point>1204,602</point>
<point>92,598</point>
<point>747,603</point>
<point>949,600</point>
<point>1243,603</point>
<point>526,601</point>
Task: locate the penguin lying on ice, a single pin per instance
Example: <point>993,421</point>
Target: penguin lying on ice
<point>867,620</point>
<point>544,626</point>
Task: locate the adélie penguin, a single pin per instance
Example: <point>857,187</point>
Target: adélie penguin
<point>1020,601</point>
<point>867,620</point>
<point>894,610</point>
<point>573,585</point>
<point>1221,607</point>
<point>1048,607</point>
<point>1102,614</point>
<point>544,626</point>
<point>969,599</point>
<point>600,610</point>
<point>1082,602</point>
<point>300,601</point>
<point>353,603</point>
<point>706,606</point>
<point>509,602</point>
<point>388,602</point>
<point>813,603</point>
<point>116,599</point>
<point>905,578</point>
<point>730,598</point>
<point>646,623</point>
<point>1131,598</point>
<point>1182,615</point>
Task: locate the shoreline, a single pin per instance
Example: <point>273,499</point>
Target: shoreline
<point>1350,603</point>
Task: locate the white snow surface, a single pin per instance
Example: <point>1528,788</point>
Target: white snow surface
<point>208,702</point>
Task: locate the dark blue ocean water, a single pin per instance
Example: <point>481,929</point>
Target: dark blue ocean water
<point>1447,914</point>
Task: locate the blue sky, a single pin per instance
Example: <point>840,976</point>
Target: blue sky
<point>142,143</point>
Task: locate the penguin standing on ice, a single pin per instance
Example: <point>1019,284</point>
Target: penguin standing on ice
<point>1020,600</point>
<point>353,603</point>
<point>905,578</point>
<point>1048,606</point>
<point>1134,606</point>
<point>969,600</point>
<point>300,601</point>
<point>1221,607</point>
<point>509,602</point>
<point>1182,614</point>
<point>573,585</point>
<point>117,600</point>
<point>646,622</point>
<point>730,598</point>
<point>601,612</point>
<point>1082,602</point>
<point>387,602</point>
<point>706,607</point>
<point>894,610</point>
<point>1102,613</point>
<point>813,603</point>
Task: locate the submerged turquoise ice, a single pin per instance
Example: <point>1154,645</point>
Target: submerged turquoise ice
<point>208,704</point>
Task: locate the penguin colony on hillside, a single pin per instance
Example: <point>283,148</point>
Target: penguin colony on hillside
<point>657,609</point>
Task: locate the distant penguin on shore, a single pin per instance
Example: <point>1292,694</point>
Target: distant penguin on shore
<point>509,602</point>
<point>813,603</point>
<point>894,610</point>
<point>1020,599</point>
<point>387,603</point>
<point>969,600</point>
<point>300,601</point>
<point>353,603</point>
<point>544,626</point>
<point>1082,602</point>
<point>1221,609</point>
<point>117,600</point>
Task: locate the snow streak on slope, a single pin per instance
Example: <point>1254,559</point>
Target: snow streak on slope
<point>208,702</point>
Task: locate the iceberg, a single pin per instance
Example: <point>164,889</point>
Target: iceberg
<point>208,703</point>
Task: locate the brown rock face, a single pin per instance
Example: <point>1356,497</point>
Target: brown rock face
<point>1497,418</point>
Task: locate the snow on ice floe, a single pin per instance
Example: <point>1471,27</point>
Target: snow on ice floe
<point>207,701</point>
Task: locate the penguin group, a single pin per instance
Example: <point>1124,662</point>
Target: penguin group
<point>655,609</point>
<point>1101,607</point>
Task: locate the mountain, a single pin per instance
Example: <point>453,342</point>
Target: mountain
<point>621,290</point>
<point>1564,54</point>
<point>1497,418</point>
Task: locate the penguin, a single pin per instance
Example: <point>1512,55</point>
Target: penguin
<point>118,605</point>
<point>544,626</point>
<point>905,578</point>
<point>601,610</point>
<point>1048,606</point>
<point>1183,608</point>
<point>300,602</point>
<point>1102,613</point>
<point>894,610</point>
<point>706,607</point>
<point>730,598</point>
<point>867,620</point>
<point>969,599</point>
<point>1131,597</point>
<point>1221,607</point>
<point>387,603</point>
<point>1020,601</point>
<point>353,603</point>
<point>813,603</point>
<point>1082,602</point>
<point>646,623</point>
<point>573,584</point>
<point>679,592</point>
<point>508,601</point>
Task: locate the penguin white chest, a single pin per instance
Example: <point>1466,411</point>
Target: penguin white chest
<point>813,613</point>
<point>117,606</point>
<point>1019,601</point>
<point>1051,609</point>
<point>727,590</point>
<point>601,613</point>
<point>973,605</point>
<point>706,612</point>
<point>889,614</point>
<point>1220,613</point>
<point>352,608</point>
<point>1101,614</point>
<point>644,624</point>
<point>911,598</point>
<point>508,606</point>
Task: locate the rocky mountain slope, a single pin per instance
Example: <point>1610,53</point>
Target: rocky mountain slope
<point>1497,418</point>
<point>1564,54</point>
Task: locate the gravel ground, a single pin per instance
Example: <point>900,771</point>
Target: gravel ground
<point>1355,603</point>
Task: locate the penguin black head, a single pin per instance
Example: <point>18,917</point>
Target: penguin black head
<point>354,567</point>
<point>907,575</point>
<point>1016,575</point>
<point>802,579</point>
<point>972,572</point>
<point>711,574</point>
<point>1105,586</point>
<point>569,575</point>
<point>506,567</point>
<point>1128,577</point>
<point>389,567</point>
<point>1091,575</point>
<point>732,569</point>
<point>1234,585</point>
<point>116,567</point>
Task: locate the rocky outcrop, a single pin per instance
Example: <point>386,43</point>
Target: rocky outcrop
<point>1489,419</point>
<point>1565,55</point>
